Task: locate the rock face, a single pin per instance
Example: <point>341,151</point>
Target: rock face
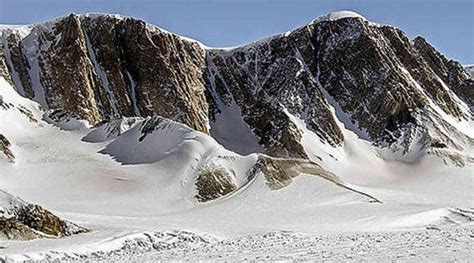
<point>12,228</point>
<point>450,71</point>
<point>5,149</point>
<point>214,182</point>
<point>103,67</point>
<point>337,72</point>
<point>279,173</point>
<point>23,221</point>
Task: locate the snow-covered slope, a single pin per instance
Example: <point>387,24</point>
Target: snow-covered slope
<point>470,70</point>
<point>164,152</point>
<point>205,149</point>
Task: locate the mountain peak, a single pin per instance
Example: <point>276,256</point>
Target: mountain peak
<point>333,16</point>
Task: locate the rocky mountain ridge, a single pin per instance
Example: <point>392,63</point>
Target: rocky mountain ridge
<point>338,72</point>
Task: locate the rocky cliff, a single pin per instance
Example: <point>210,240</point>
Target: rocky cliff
<point>337,72</point>
<point>24,221</point>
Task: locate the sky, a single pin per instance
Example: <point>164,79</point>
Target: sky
<point>447,24</point>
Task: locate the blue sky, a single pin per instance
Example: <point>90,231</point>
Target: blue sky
<point>447,24</point>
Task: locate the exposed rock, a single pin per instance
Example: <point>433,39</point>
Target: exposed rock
<point>4,71</point>
<point>12,228</point>
<point>104,67</point>
<point>5,149</point>
<point>151,124</point>
<point>17,65</point>
<point>24,221</point>
<point>450,71</point>
<point>372,75</point>
<point>39,219</point>
<point>266,80</point>
<point>27,113</point>
<point>470,70</point>
<point>279,173</point>
<point>5,105</point>
<point>213,182</point>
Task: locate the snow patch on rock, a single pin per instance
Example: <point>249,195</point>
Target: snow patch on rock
<point>333,16</point>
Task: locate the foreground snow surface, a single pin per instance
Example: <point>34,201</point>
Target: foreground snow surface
<point>430,244</point>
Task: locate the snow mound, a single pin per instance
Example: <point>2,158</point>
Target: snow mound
<point>202,168</point>
<point>8,201</point>
<point>470,70</point>
<point>333,16</point>
<point>98,14</point>
<point>66,120</point>
<point>111,130</point>
<point>22,30</point>
<point>209,170</point>
<point>155,138</point>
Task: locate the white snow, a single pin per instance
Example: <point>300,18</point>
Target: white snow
<point>232,132</point>
<point>153,189</point>
<point>102,76</point>
<point>333,16</point>
<point>133,94</point>
<point>67,123</point>
<point>470,70</point>
<point>274,246</point>
<point>111,130</point>
<point>7,202</point>
<point>30,44</point>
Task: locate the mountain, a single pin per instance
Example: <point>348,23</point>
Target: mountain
<point>388,89</point>
<point>342,123</point>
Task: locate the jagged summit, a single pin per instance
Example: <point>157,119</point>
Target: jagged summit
<point>332,16</point>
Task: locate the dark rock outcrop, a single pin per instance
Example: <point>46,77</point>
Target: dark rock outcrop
<point>39,219</point>
<point>213,182</point>
<point>450,71</point>
<point>24,221</point>
<point>12,228</point>
<point>279,173</point>
<point>5,149</point>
